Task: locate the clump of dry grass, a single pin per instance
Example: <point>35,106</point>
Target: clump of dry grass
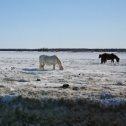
<point>61,112</point>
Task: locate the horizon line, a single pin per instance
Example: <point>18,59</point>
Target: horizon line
<point>67,49</point>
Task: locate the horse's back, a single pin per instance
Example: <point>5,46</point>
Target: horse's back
<point>44,59</point>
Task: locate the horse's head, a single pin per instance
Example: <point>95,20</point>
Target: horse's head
<point>117,59</point>
<point>61,67</point>
<point>99,55</point>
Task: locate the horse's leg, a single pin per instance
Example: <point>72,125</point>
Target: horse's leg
<point>53,66</point>
<point>101,60</point>
<point>41,66</point>
<point>112,60</point>
<point>105,61</point>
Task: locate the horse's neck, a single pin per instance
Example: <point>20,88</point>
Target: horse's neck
<point>116,57</point>
<point>58,61</point>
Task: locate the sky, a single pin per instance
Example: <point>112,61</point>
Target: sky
<point>62,23</point>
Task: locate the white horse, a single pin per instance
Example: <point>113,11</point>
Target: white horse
<point>49,60</point>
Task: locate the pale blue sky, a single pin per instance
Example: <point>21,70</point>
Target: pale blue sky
<point>62,23</point>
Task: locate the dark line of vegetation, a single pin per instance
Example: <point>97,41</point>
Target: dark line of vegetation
<point>70,49</point>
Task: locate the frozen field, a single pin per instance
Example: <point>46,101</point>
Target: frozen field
<point>83,72</point>
<point>96,95</point>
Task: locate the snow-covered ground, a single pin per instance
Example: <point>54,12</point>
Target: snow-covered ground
<point>86,76</point>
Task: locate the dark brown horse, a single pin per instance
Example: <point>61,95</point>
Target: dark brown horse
<point>106,56</point>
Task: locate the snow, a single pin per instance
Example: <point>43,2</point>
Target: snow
<point>7,98</point>
<point>19,72</point>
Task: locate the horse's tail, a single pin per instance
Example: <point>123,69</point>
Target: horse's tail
<point>59,63</point>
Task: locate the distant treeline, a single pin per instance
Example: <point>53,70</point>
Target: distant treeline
<point>69,49</point>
